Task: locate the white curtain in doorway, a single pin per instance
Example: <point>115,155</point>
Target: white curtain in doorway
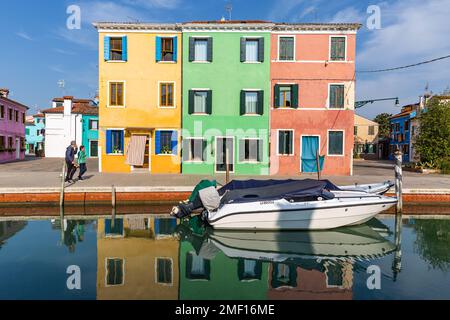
<point>136,150</point>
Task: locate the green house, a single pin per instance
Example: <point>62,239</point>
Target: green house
<point>226,95</point>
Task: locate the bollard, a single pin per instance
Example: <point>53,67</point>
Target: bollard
<point>61,216</point>
<point>397,263</point>
<point>63,180</point>
<point>113,196</point>
<point>398,180</point>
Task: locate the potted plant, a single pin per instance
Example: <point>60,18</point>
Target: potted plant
<point>117,150</point>
<point>2,149</point>
<point>166,150</point>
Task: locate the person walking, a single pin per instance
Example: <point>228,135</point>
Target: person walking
<point>71,151</point>
<point>82,162</point>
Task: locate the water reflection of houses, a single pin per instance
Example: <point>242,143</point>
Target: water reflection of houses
<point>8,229</point>
<point>137,258</point>
<point>310,279</point>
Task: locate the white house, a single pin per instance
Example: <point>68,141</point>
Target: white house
<point>64,124</point>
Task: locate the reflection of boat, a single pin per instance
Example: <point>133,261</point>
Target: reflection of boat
<point>359,242</point>
<point>293,205</point>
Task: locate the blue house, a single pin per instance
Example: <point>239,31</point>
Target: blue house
<point>34,135</point>
<point>401,132</point>
<point>90,132</point>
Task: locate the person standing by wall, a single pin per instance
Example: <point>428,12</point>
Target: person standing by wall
<point>71,151</point>
<point>82,162</point>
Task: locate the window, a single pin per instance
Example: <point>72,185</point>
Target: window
<point>113,228</point>
<point>2,143</point>
<point>355,130</point>
<point>114,141</point>
<point>407,125</point>
<point>337,49</point>
<point>200,49</point>
<point>286,49</point>
<point>114,272</point>
<point>284,275</point>
<point>167,49</point>
<point>116,94</point>
<point>197,268</point>
<point>116,49</point>
<point>93,148</point>
<point>166,95</point>
<point>336,143</point>
<point>11,143</point>
<point>285,142</point>
<point>16,115</point>
<point>200,102</point>
<point>164,271</point>
<point>166,142</point>
<point>252,50</point>
<point>10,114</point>
<point>252,102</point>
<point>336,96</point>
<point>371,130</point>
<point>286,96</point>
<point>397,127</point>
<point>250,150</point>
<point>249,270</point>
<point>335,275</point>
<point>194,149</point>
<point>93,124</point>
<point>38,132</point>
<point>2,112</point>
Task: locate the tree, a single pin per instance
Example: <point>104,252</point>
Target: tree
<point>383,120</point>
<point>433,141</point>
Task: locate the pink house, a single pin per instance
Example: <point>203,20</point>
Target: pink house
<point>313,96</point>
<point>12,128</point>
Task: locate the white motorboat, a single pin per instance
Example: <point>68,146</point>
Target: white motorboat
<point>293,205</point>
<point>286,205</point>
<point>357,242</point>
<point>374,188</point>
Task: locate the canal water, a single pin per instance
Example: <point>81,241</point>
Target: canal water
<point>151,257</point>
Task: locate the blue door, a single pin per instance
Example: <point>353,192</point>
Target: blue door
<point>310,147</point>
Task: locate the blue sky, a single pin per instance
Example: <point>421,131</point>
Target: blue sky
<point>38,49</point>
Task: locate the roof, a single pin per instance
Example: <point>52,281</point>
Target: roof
<point>73,99</point>
<point>39,115</point>
<point>14,102</point>
<point>228,24</point>
<point>367,121</point>
<point>405,112</point>
<point>77,108</point>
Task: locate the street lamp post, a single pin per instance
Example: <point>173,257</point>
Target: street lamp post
<point>360,104</point>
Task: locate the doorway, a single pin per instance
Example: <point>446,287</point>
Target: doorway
<point>18,149</point>
<point>93,148</point>
<point>309,149</point>
<point>224,154</point>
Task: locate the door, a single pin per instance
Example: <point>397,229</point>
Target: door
<point>17,148</point>
<point>224,154</point>
<point>310,149</point>
<point>93,147</point>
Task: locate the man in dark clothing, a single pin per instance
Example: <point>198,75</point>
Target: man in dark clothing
<point>71,151</point>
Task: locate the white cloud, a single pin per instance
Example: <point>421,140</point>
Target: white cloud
<point>24,35</point>
<point>164,4</point>
<point>412,31</point>
<point>284,8</point>
<point>349,14</point>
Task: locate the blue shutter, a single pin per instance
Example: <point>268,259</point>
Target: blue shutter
<point>157,142</point>
<point>124,49</point>
<point>175,48</point>
<point>174,142</point>
<point>108,141</point>
<point>158,47</point>
<point>106,49</point>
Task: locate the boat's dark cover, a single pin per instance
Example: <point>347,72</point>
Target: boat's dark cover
<point>265,190</point>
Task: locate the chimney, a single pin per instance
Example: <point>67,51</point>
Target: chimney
<point>68,105</point>
<point>4,93</point>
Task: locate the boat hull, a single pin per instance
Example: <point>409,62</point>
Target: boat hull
<point>283,215</point>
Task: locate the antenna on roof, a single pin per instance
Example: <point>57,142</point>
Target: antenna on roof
<point>62,85</point>
<point>229,9</point>
<point>133,19</point>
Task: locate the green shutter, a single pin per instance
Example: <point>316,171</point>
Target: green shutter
<point>210,50</point>
<point>281,142</point>
<point>276,96</point>
<point>209,102</point>
<point>191,49</point>
<point>260,107</point>
<point>185,149</point>
<point>341,90</point>
<point>260,150</point>
<point>191,102</point>
<point>242,102</point>
<point>332,97</point>
<point>204,151</point>
<point>243,52</point>
<point>294,96</point>
<point>261,49</point>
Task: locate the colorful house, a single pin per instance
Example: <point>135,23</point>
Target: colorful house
<point>137,259</point>
<point>66,122</point>
<point>312,105</point>
<point>401,131</point>
<point>366,138</point>
<point>34,134</point>
<point>226,72</point>
<point>90,128</point>
<point>12,128</point>
<point>140,97</point>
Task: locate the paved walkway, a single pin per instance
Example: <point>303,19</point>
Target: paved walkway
<point>45,173</point>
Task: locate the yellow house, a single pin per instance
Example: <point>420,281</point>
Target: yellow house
<point>137,258</point>
<point>366,137</point>
<point>140,97</point>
